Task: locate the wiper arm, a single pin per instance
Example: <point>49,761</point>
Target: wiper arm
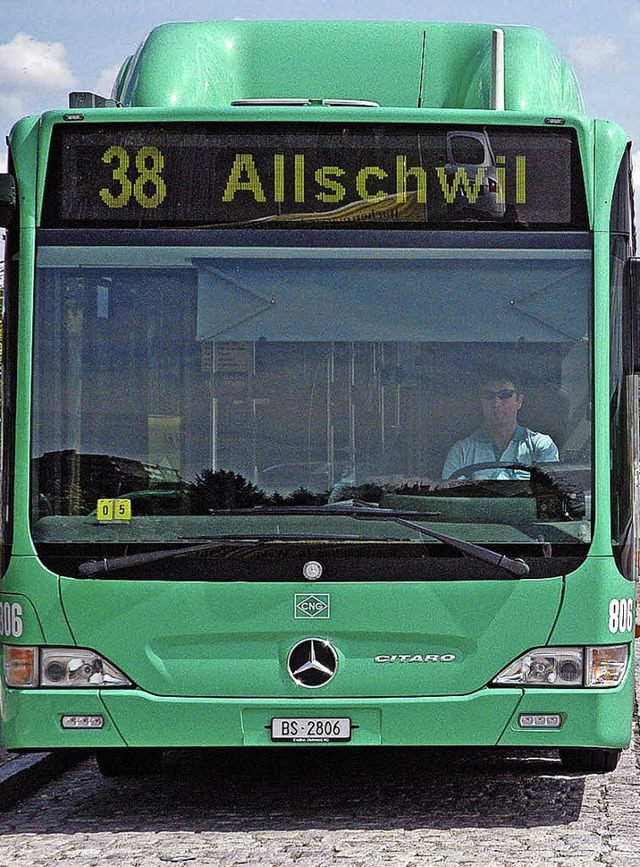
<point>111,564</point>
<point>91,568</point>
<point>516,567</point>
<point>367,513</point>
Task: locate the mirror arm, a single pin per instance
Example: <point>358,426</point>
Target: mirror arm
<point>7,198</point>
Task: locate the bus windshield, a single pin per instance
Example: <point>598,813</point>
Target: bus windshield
<point>212,383</point>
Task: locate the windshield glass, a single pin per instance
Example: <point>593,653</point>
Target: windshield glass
<point>179,383</point>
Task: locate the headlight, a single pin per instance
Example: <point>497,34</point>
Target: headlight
<point>545,666</point>
<point>65,667</point>
<point>567,666</point>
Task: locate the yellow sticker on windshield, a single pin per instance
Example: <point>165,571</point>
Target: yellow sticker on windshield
<point>114,510</point>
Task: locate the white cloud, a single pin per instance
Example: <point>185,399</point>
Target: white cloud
<point>13,105</point>
<point>105,81</point>
<point>595,53</point>
<point>27,66</point>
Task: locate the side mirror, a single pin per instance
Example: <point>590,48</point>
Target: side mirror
<point>7,199</point>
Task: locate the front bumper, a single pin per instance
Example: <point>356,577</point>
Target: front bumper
<point>32,719</point>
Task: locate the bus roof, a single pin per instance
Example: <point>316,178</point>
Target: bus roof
<point>394,64</point>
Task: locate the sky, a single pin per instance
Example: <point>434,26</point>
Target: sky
<point>50,47</point>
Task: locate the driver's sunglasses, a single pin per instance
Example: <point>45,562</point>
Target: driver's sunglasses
<point>503,394</point>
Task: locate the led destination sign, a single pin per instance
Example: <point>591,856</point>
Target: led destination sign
<point>269,175</point>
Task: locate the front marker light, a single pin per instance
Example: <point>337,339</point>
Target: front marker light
<point>20,666</point>
<point>606,666</point>
<point>540,720</point>
<point>82,721</point>
<point>63,667</point>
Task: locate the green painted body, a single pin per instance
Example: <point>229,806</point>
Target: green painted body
<point>209,659</point>
<point>396,64</point>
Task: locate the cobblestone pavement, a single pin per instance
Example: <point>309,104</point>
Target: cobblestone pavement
<point>448,807</point>
<point>353,809</point>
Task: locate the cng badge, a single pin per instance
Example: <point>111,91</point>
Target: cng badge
<point>312,606</point>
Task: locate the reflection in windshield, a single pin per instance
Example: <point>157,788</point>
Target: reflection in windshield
<point>189,379</point>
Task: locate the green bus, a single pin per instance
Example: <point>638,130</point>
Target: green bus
<point>320,408</point>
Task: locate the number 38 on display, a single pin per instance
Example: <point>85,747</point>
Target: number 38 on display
<point>149,188</point>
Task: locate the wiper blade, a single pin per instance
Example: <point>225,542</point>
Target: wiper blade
<point>368,513</point>
<point>112,564</point>
<point>516,567</point>
<point>349,510</point>
<point>91,568</point>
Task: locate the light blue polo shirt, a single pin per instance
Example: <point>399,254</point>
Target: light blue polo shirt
<point>526,447</point>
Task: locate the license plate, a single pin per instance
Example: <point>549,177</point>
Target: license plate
<point>311,729</point>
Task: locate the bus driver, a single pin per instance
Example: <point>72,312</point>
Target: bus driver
<point>500,439</point>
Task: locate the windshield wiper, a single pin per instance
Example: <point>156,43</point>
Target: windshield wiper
<point>367,513</point>
<point>516,567</point>
<point>91,568</point>
<point>347,509</point>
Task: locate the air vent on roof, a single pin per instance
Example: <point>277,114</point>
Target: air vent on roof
<point>358,103</point>
<point>270,101</point>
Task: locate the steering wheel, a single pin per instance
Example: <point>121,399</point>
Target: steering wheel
<point>469,469</point>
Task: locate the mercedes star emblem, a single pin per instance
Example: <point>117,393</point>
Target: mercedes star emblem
<point>312,663</point>
<point>312,570</point>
